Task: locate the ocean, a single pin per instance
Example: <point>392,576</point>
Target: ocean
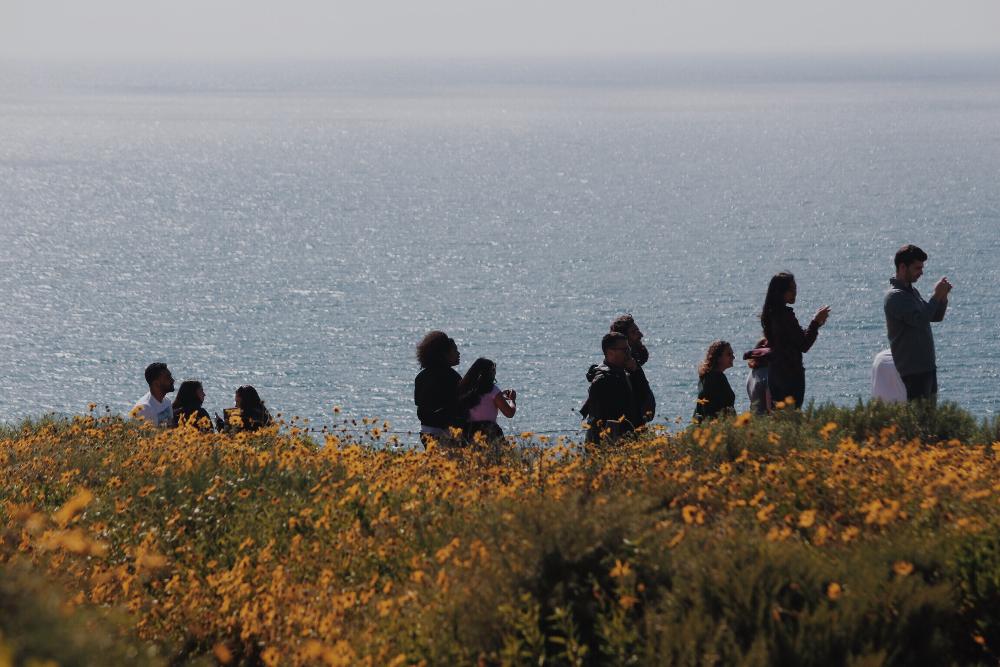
<point>299,226</point>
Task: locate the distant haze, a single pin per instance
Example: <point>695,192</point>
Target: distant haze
<point>255,29</point>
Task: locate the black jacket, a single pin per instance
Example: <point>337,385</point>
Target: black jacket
<point>200,418</point>
<point>435,391</point>
<point>616,400</point>
<point>715,395</point>
<point>788,342</point>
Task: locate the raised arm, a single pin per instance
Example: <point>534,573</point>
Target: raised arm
<point>506,402</point>
<point>797,338</point>
<point>940,299</point>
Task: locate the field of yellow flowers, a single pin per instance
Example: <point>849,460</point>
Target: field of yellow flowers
<point>851,536</point>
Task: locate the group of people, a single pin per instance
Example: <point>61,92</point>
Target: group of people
<point>459,409</point>
<point>248,414</point>
<point>453,407</point>
<point>620,399</point>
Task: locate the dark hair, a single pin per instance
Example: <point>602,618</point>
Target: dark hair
<point>711,359</point>
<point>433,350</point>
<point>478,380</point>
<point>252,409</point>
<point>622,323</point>
<point>909,254</point>
<point>186,398</point>
<point>775,299</point>
<point>610,339</point>
<point>154,370</point>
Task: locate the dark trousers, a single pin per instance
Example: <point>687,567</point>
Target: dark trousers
<point>787,383</point>
<point>921,386</point>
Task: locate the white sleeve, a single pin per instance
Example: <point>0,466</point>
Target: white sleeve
<point>144,411</point>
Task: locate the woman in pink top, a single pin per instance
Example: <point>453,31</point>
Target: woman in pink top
<point>480,396</point>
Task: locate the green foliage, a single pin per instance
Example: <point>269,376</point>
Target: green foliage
<point>828,536</point>
<point>38,626</point>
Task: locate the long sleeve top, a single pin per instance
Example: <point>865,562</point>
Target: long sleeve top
<point>435,392</point>
<point>715,395</point>
<point>788,341</point>
<point>908,323</point>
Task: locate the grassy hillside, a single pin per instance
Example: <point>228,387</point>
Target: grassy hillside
<point>835,536</point>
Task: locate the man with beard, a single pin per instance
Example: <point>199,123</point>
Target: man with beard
<point>154,407</point>
<point>618,392</point>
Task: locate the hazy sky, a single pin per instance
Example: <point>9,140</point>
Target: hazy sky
<point>192,29</point>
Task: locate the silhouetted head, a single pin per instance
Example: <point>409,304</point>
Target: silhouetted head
<point>190,396</point>
<point>719,357</point>
<point>780,291</point>
<point>437,350</point>
<point>252,409</point>
<point>479,379</point>
<point>159,379</point>
<point>616,349</point>
<point>625,324</point>
<point>909,262</point>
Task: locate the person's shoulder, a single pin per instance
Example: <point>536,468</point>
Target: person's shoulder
<point>714,376</point>
<point>145,401</point>
<point>599,373</point>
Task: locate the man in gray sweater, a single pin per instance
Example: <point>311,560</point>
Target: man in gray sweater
<point>908,321</point>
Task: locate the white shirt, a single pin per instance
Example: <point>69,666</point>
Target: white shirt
<point>886,383</point>
<point>157,413</point>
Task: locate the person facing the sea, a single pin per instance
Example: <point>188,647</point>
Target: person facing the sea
<point>625,324</point>
<point>154,408</point>
<point>481,399</point>
<point>887,386</point>
<point>715,396</point>
<point>617,393</point>
<point>788,340</point>
<point>248,414</point>
<point>435,389</point>
<point>758,389</point>
<point>188,406</point>
<point>908,323</point>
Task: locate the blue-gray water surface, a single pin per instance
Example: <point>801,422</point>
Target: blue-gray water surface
<point>299,226</point>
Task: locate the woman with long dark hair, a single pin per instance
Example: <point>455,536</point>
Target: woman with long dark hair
<point>481,399</point>
<point>788,341</point>
<point>188,408</point>
<point>249,414</point>
<point>435,389</point>
<point>715,395</point>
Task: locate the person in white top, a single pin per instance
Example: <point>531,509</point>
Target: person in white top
<point>887,386</point>
<point>154,407</point>
<point>483,400</point>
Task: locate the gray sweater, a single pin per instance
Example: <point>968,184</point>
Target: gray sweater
<point>908,322</point>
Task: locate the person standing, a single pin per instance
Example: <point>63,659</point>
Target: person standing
<point>435,389</point>
<point>625,324</point>
<point>154,408</point>
<point>908,323</point>
<point>617,392</point>
<point>715,395</point>
<point>788,341</point>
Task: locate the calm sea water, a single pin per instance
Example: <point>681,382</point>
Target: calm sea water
<point>300,226</point>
